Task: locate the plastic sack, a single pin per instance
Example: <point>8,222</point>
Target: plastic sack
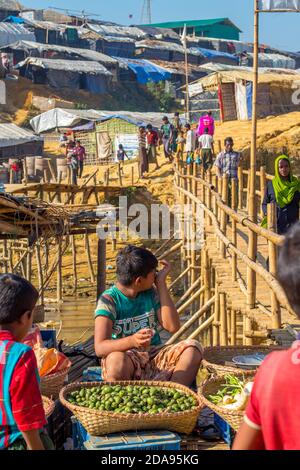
<point>51,361</point>
<point>34,338</point>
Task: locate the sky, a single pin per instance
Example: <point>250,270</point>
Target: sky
<point>279,30</point>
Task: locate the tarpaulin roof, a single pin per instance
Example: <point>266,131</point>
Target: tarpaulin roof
<point>217,67</point>
<point>28,46</point>
<point>14,32</point>
<point>167,46</point>
<point>10,135</point>
<point>81,66</point>
<point>146,71</point>
<point>62,118</point>
<point>211,54</point>
<point>14,19</point>
<point>274,60</point>
<point>117,31</point>
<point>211,81</point>
<point>160,33</point>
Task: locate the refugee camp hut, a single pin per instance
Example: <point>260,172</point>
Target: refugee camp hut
<point>18,142</point>
<point>168,51</point>
<point>10,33</point>
<point>234,88</point>
<point>8,8</point>
<point>272,60</point>
<point>222,45</point>
<point>112,46</point>
<point>142,71</point>
<point>215,56</point>
<point>117,31</point>
<point>72,74</point>
<point>23,49</point>
<point>48,32</point>
<point>161,34</point>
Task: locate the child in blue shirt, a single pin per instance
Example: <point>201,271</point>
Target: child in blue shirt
<point>127,321</point>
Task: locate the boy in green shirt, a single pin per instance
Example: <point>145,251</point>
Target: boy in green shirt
<point>127,319</point>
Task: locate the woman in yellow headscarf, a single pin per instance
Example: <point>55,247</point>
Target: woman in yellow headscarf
<point>284,189</point>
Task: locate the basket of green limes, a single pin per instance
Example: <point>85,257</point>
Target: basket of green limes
<point>108,407</point>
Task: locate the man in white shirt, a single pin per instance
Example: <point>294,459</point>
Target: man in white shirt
<point>206,144</point>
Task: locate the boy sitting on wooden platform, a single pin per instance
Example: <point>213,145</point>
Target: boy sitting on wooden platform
<point>22,415</point>
<point>127,319</point>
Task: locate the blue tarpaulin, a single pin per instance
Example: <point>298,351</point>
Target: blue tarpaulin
<point>212,54</point>
<point>146,71</point>
<point>14,19</point>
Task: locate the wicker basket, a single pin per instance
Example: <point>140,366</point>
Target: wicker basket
<point>48,405</point>
<point>52,384</point>
<point>211,387</point>
<point>99,423</point>
<point>214,358</point>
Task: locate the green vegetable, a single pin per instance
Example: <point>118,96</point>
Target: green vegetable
<point>133,399</point>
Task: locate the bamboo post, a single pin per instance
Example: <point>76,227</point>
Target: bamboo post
<point>59,271</point>
<point>223,214</point>
<point>40,270</point>
<point>216,330</point>
<point>5,256</point>
<point>240,187</point>
<point>51,169</point>
<point>263,184</point>
<point>275,306</point>
<point>73,244</point>
<point>101,267</point>
<point>247,326</point>
<point>219,146</point>
<point>29,265</point>
<point>132,175</point>
<point>95,191</point>
<point>233,327</point>
<point>89,258</point>
<point>234,227</point>
<point>252,245</point>
<point>223,320</point>
<point>25,172</point>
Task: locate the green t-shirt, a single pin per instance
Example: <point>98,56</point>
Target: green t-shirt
<point>130,315</point>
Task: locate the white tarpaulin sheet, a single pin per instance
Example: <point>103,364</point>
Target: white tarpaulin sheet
<point>10,135</point>
<point>279,5</point>
<point>241,101</point>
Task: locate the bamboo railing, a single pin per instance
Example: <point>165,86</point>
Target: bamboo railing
<point>225,214</point>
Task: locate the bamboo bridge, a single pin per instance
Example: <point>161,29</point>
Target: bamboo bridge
<point>233,297</point>
<point>229,296</point>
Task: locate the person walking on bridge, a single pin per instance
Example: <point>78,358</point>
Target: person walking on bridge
<point>284,190</point>
<point>227,163</point>
<point>206,121</point>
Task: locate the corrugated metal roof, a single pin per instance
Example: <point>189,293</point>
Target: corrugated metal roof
<point>84,53</point>
<point>10,134</point>
<point>67,65</point>
<point>195,23</point>
<point>14,32</point>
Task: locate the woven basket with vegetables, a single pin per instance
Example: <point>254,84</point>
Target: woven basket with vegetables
<point>216,357</point>
<point>227,396</point>
<point>104,408</point>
